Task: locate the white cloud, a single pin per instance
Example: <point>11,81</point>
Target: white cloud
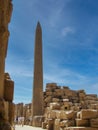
<point>73,79</point>
<point>23,99</point>
<point>67,30</point>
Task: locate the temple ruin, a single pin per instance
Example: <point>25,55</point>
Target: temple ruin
<point>57,108</point>
<point>6,84</point>
<point>65,109</point>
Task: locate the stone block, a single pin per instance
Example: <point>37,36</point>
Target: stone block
<point>52,114</point>
<point>48,99</point>
<point>80,128</point>
<point>63,123</point>
<point>11,112</point>
<point>59,92</point>
<point>37,121</point>
<point>49,93</point>
<point>55,99</point>
<point>2,108</point>
<point>44,125</point>
<point>82,95</point>
<point>57,124</point>
<point>66,100</point>
<point>82,122</point>
<point>67,123</point>
<point>65,114</point>
<point>50,124</point>
<point>54,106</point>
<point>88,114</point>
<point>91,96</point>
<point>70,114</point>
<point>51,86</point>
<point>94,123</point>
<point>8,90</point>
<point>6,105</point>
<point>5,126</point>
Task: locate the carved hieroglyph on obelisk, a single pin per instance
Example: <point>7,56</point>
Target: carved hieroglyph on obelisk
<point>37,102</point>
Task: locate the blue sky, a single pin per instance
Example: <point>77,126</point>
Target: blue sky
<point>70,48</point>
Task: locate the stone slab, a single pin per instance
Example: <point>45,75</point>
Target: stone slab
<point>80,128</point>
<point>8,90</point>
<point>88,114</point>
<point>82,122</point>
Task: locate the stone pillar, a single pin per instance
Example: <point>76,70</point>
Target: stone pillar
<point>38,75</point>
<point>5,15</point>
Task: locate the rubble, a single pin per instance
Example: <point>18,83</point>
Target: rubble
<point>66,109</point>
<point>69,109</point>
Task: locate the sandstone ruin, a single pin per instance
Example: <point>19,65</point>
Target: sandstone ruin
<point>6,84</point>
<point>58,108</point>
<point>66,109</point>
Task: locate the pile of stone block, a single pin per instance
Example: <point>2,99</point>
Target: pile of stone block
<point>66,109</point>
<point>87,117</point>
<point>6,105</point>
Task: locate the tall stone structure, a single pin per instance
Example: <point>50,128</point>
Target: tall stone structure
<point>37,101</point>
<point>6,84</point>
<point>5,15</point>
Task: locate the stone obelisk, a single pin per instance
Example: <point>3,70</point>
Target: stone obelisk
<point>37,101</point>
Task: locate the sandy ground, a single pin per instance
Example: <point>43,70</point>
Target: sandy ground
<point>27,128</point>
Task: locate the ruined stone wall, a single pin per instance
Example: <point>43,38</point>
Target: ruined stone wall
<point>6,104</point>
<point>23,110</point>
<point>6,84</point>
<point>5,16</point>
<point>67,109</point>
<point>19,110</point>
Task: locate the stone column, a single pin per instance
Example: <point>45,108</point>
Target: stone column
<point>5,15</point>
<point>38,74</point>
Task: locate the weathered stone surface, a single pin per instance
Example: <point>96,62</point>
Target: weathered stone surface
<point>82,122</point>
<point>65,114</point>
<point>19,110</point>
<point>50,125</point>
<point>88,114</point>
<point>37,101</point>
<point>80,128</point>
<point>67,123</point>
<point>51,86</point>
<point>2,109</point>
<point>44,125</point>
<point>94,123</point>
<point>5,126</point>
<point>57,124</point>
<point>48,99</point>
<point>70,108</point>
<point>5,15</point>
<point>37,121</point>
<point>11,112</point>
<point>8,88</point>
<point>6,115</point>
<point>54,106</point>
<point>51,114</point>
<point>55,100</point>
